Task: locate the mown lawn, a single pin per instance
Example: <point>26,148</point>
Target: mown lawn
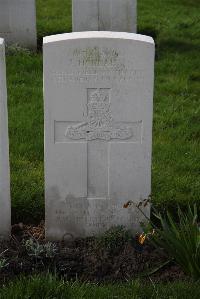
<point>175,26</point>
<point>49,287</point>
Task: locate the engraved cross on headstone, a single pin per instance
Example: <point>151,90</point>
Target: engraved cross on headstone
<point>99,131</point>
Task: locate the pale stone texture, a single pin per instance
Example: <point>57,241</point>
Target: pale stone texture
<point>5,206</point>
<point>18,22</point>
<point>104,15</point>
<point>98,90</point>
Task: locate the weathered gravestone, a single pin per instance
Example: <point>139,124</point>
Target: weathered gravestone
<point>104,15</point>
<point>18,22</point>
<point>98,89</point>
<point>4,151</point>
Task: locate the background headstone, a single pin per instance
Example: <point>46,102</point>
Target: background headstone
<point>104,15</point>
<point>5,205</point>
<point>98,89</point>
<point>18,22</point>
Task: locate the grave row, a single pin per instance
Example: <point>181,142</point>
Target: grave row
<point>18,18</point>
<point>98,108</point>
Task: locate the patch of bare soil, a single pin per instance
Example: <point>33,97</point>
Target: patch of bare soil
<point>115,256</point>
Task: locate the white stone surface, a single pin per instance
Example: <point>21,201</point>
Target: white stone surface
<point>5,206</point>
<point>18,22</point>
<point>98,91</point>
<point>104,15</point>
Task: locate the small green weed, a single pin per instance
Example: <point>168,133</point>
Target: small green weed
<point>113,239</point>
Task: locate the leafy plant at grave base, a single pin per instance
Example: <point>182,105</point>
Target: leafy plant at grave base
<point>16,49</point>
<point>113,239</point>
<point>50,250</point>
<point>34,248</point>
<point>38,251</point>
<point>3,262</point>
<point>181,239</point>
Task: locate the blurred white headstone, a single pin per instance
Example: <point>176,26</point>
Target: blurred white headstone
<point>104,15</point>
<point>18,22</point>
<point>5,205</point>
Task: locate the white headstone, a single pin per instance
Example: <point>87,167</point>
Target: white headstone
<point>98,90</point>
<point>18,22</point>
<point>5,205</point>
<point>104,15</point>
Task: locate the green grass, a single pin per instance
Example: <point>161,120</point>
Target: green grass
<point>53,17</point>
<point>175,26</point>
<point>50,287</point>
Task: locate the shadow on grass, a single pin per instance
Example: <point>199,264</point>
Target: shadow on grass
<point>150,31</point>
<point>190,3</point>
<point>40,38</point>
<point>175,45</point>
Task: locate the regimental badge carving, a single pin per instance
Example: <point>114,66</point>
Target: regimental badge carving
<point>100,123</point>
